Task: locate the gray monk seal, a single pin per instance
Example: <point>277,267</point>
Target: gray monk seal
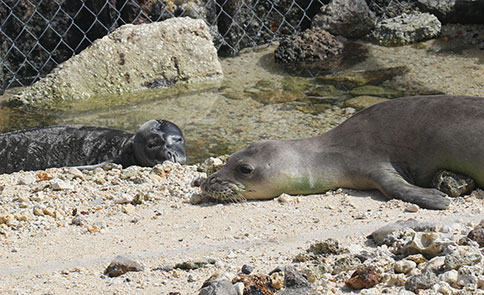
<point>89,147</point>
<point>396,147</point>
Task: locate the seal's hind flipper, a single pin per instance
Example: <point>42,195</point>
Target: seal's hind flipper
<point>394,186</point>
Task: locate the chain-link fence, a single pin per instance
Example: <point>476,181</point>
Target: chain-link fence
<point>37,35</point>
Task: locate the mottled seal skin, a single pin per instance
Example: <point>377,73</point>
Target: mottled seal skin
<point>396,147</point>
<point>89,147</point>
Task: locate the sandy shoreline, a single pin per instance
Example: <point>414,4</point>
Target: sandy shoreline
<point>50,255</point>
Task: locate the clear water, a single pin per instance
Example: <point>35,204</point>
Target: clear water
<point>257,100</point>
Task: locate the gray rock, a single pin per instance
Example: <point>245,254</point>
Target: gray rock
<point>468,277</point>
<point>422,281</point>
<point>312,44</point>
<point>384,232</point>
<point>406,29</point>
<point>453,184</point>
<point>326,247</point>
<point>454,11</point>
<point>223,287</point>
<point>121,265</point>
<point>461,256</point>
<point>348,18</point>
<point>247,269</point>
<point>132,58</point>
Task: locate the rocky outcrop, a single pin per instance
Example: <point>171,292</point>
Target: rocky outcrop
<point>312,44</point>
<point>133,58</point>
<point>406,29</point>
<point>455,11</point>
<point>48,33</point>
<point>349,18</point>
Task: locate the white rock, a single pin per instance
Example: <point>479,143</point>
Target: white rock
<point>60,185</point>
<point>404,266</point>
<point>449,277</point>
<point>239,288</point>
<point>124,199</point>
<point>27,179</point>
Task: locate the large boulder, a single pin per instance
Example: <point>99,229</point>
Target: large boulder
<point>406,29</point>
<point>132,58</point>
<point>455,11</point>
<point>37,35</point>
<point>349,18</point>
<point>312,44</point>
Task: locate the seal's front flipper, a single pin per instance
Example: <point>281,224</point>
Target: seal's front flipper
<point>394,186</point>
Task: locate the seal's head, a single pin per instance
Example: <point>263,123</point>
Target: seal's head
<point>157,141</point>
<point>259,171</point>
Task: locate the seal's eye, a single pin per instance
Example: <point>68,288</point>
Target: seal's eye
<point>245,169</point>
<point>152,145</point>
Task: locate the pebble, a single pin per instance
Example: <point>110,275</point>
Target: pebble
<point>59,185</point>
<point>128,209</point>
<point>404,266</point>
<point>121,265</point>
<point>411,208</point>
<point>27,179</point>
<point>247,269</point>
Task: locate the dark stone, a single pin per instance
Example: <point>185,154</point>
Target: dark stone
<point>424,280</point>
<point>477,234</point>
<point>247,269</point>
<point>453,184</point>
<point>293,278</point>
<point>190,265</point>
<point>223,287</point>
<point>456,11</point>
<point>326,247</point>
<point>312,44</point>
<point>121,265</point>
<point>349,18</point>
<point>364,278</point>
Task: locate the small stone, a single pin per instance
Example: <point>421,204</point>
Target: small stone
<point>42,175</point>
<point>121,265</point>
<point>417,258</point>
<point>38,211</point>
<point>394,279</point>
<point>277,280</point>
<point>364,278</point>
<point>124,199</point>
<point>48,211</point>
<point>6,217</point>
<point>78,220</point>
<point>76,173</point>
<point>218,288</point>
<point>239,288</point>
<point>411,208</point>
<point>449,277</point>
<point>26,179</point>
<point>404,266</point>
<point>477,234</point>
<point>247,269</point>
<point>424,280</point>
<point>285,198</point>
<point>59,185</point>
<point>128,209</point>
<point>190,265</point>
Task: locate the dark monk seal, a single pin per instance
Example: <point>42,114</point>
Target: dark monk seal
<point>396,147</point>
<point>90,147</point>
